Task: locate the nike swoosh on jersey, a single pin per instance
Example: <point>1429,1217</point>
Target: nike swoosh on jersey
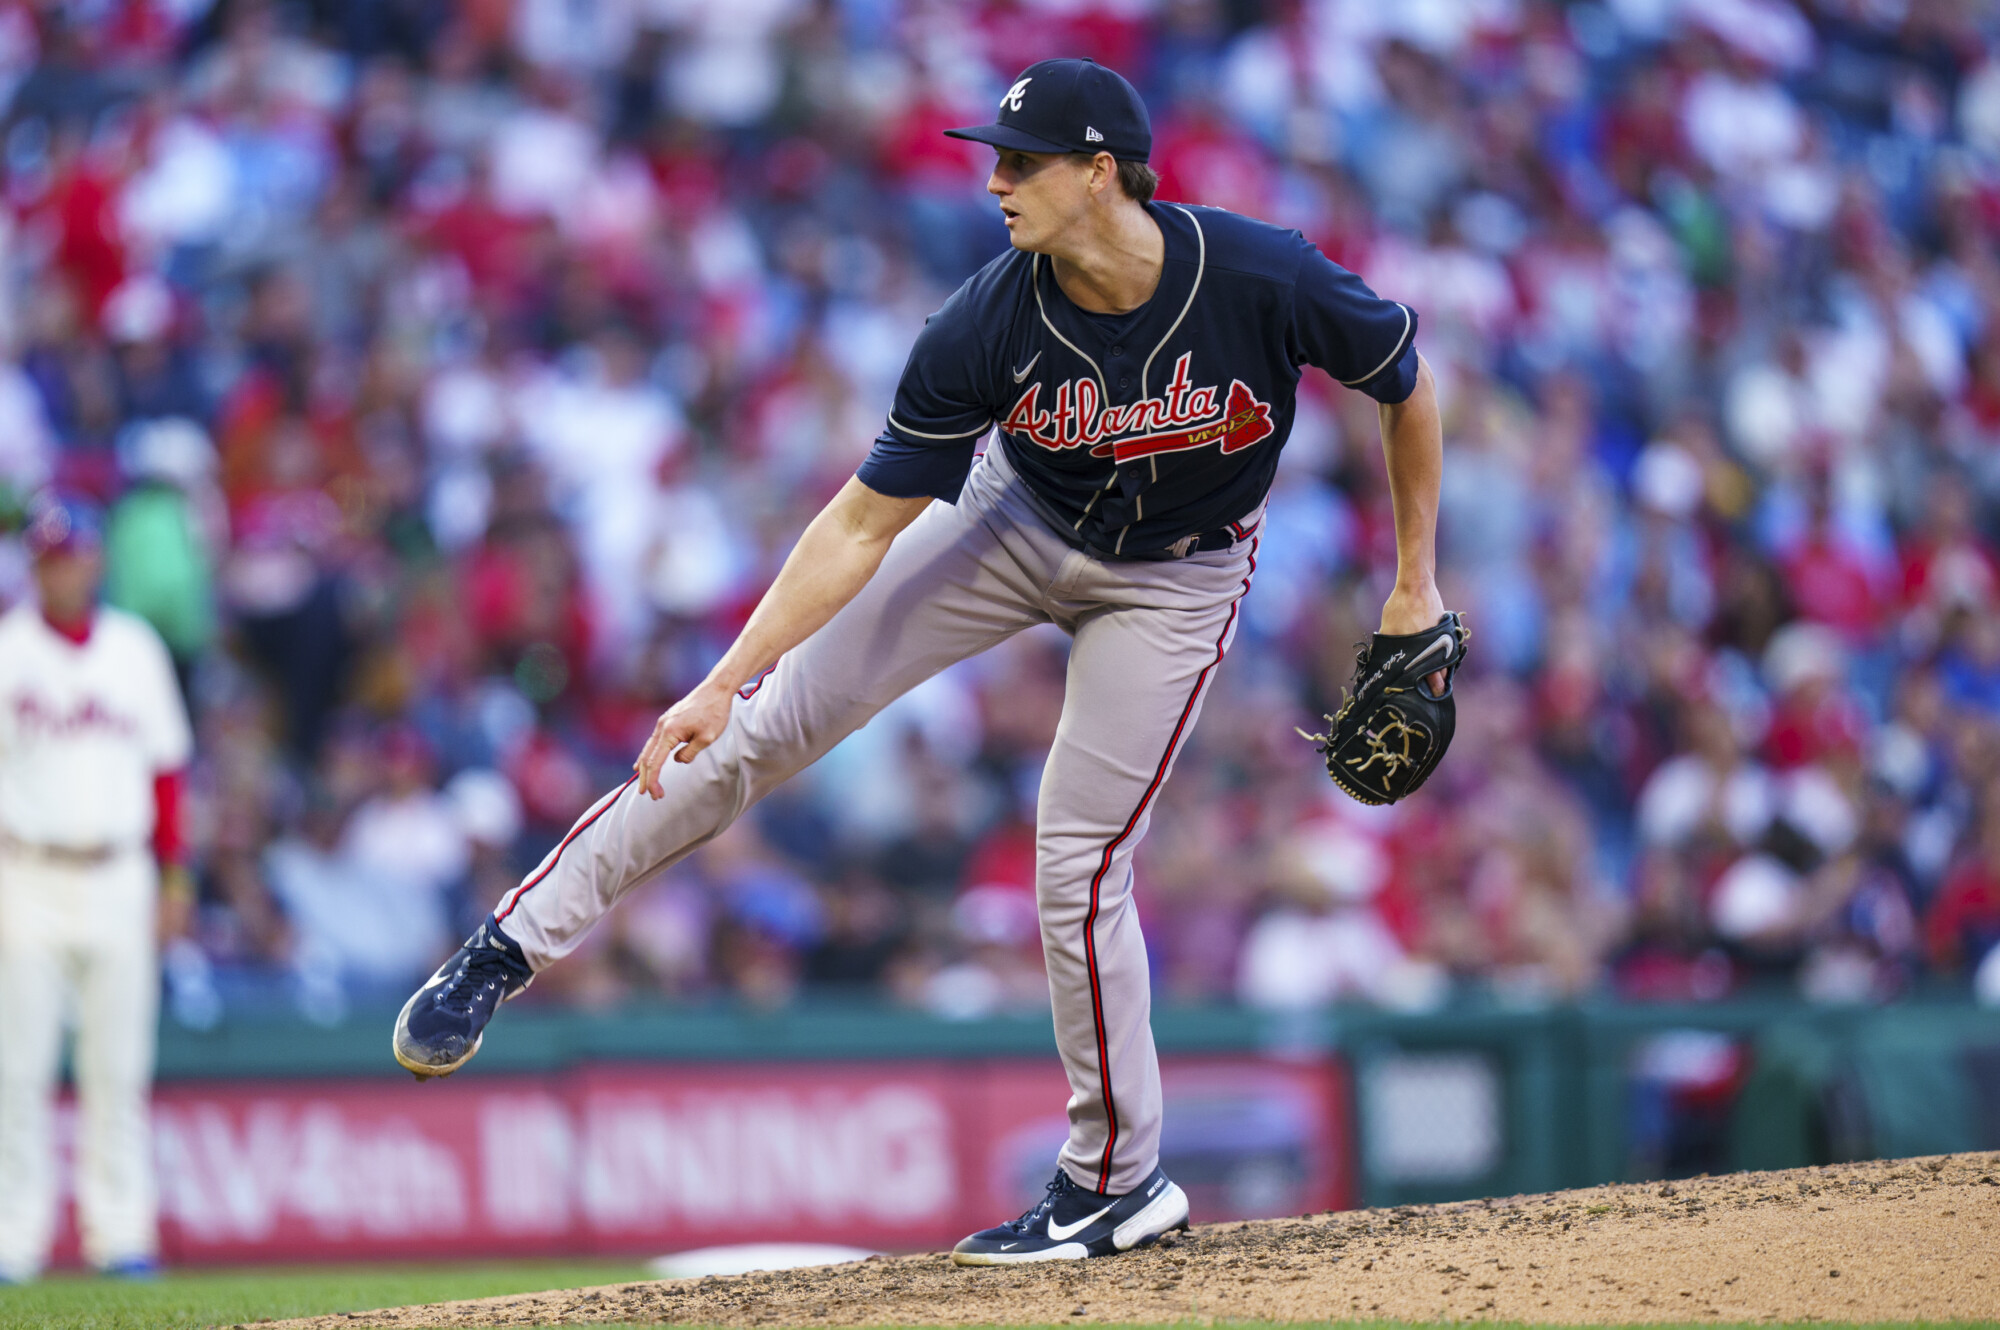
<point>1063,1232</point>
<point>1023,372</point>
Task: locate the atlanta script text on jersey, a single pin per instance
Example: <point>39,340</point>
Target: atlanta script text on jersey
<point>1182,417</point>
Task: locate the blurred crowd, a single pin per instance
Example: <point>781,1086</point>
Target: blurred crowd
<point>457,375</point>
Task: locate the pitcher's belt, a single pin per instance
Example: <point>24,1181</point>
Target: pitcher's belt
<point>64,856</point>
<point>1219,539</point>
<point>1229,533</point>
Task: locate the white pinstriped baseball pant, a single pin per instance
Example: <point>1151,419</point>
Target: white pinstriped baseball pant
<point>1147,637</point>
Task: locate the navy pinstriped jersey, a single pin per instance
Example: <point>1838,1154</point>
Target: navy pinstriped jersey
<point>1132,431</point>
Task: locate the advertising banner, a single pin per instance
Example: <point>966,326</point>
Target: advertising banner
<point>649,1158</point>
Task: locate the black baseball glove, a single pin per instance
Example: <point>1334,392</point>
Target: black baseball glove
<point>1391,732</point>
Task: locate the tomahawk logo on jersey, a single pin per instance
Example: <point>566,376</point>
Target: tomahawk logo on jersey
<point>1135,431</point>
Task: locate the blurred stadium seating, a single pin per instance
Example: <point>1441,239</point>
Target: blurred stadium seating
<point>459,374</point>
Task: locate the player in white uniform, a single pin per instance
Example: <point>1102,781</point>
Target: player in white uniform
<point>92,731</point>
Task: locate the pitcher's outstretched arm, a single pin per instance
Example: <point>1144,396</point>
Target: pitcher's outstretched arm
<point>839,551</point>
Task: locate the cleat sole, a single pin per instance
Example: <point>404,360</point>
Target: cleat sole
<point>1068,1251</point>
<point>1167,1212</point>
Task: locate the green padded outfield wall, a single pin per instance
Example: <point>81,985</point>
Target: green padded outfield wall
<point>1479,1100</point>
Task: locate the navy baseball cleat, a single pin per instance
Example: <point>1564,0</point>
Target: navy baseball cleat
<point>1072,1222</point>
<point>440,1027</point>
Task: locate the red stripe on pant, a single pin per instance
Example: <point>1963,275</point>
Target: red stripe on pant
<point>501,914</point>
<point>749,690</point>
<point>1097,879</point>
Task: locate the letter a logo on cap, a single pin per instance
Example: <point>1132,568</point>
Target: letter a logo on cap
<point>1012,101</point>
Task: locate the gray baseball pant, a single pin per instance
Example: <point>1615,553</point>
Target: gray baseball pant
<point>1147,637</point>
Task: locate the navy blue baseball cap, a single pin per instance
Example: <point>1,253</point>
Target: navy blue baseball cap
<point>1069,105</point>
<point>62,524</point>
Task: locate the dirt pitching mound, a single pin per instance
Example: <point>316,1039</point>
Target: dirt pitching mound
<point>1894,1240</point>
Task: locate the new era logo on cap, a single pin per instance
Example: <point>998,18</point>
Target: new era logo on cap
<point>1073,106</point>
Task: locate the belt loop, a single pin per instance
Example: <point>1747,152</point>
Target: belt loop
<point>1181,547</point>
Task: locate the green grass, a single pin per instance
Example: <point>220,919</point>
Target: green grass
<point>225,1297</point>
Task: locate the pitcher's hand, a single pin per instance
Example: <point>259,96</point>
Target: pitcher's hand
<point>687,727</point>
<point>1412,609</point>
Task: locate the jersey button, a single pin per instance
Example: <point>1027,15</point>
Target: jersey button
<point>1124,384</point>
<point>1117,350</point>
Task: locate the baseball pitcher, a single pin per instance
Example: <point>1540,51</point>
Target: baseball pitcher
<point>1140,362</point>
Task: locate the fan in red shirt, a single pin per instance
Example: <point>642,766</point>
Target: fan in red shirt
<point>1945,563</point>
<point>1831,581</point>
<point>1964,921</point>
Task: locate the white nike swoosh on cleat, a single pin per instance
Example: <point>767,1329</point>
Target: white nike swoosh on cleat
<point>1063,1232</point>
<point>1009,1246</point>
<point>1022,372</point>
